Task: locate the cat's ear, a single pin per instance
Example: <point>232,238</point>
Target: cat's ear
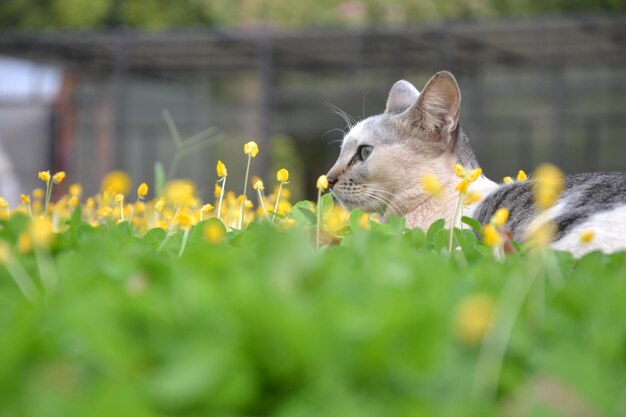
<point>436,111</point>
<point>401,97</point>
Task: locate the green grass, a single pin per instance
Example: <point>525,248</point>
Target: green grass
<point>263,325</point>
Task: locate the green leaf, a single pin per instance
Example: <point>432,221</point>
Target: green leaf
<point>328,202</point>
<point>441,239</point>
<point>303,213</point>
<point>397,223</point>
<point>309,215</point>
<point>433,229</point>
<point>155,236</point>
<point>77,216</point>
<point>473,223</point>
<point>355,217</point>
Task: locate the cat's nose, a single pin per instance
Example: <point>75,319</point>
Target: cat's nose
<point>332,180</point>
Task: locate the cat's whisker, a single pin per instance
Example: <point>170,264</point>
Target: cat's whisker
<point>393,198</point>
<point>383,200</point>
<point>343,132</point>
<point>350,121</point>
<point>389,195</point>
<point>370,200</point>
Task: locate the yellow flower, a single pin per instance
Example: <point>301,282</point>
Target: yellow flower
<point>284,207</point>
<point>221,169</point>
<point>76,189</point>
<point>322,182</point>
<point>158,206</point>
<point>507,180</point>
<point>3,203</point>
<point>40,231</point>
<point>214,232</point>
<point>116,182</point>
<point>251,149</point>
<point>474,318</point>
<point>459,171</point>
<point>105,212</point>
<point>179,191</point>
<point>218,190</point>
<point>462,186</point>
<point>542,235</point>
<point>547,186</point>
<point>58,177</point>
<point>473,176</point>
<point>25,199</point>
<point>287,223</point>
<point>364,222</point>
<point>38,193</point>
<point>587,236</point>
<point>207,208</point>
<point>471,198</point>
<point>183,219</point>
<point>74,201</point>
<point>431,184</point>
<point>140,207</point>
<point>282,175</point>
<point>521,175</point>
<point>119,198</point>
<point>258,185</point>
<point>142,190</point>
<point>500,217</point>
<point>44,176</point>
<point>24,243</point>
<point>491,236</point>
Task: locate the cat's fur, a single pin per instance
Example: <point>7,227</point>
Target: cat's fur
<point>420,134</point>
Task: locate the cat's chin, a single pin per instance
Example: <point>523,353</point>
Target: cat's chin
<point>346,203</point>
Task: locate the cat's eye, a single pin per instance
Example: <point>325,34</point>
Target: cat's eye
<point>365,151</point>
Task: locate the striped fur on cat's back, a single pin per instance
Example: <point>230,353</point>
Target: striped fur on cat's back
<point>384,157</point>
<point>590,201</point>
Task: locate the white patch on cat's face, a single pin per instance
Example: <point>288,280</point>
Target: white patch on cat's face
<point>353,135</point>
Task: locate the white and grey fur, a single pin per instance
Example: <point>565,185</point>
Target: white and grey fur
<point>420,134</point>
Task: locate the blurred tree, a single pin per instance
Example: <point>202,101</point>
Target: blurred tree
<point>161,14</point>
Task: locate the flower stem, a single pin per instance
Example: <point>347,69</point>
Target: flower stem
<point>319,216</point>
<point>245,187</point>
<point>454,221</point>
<point>219,206</point>
<point>46,268</point>
<point>182,246</point>
<point>23,280</point>
<point>48,195</point>
<point>263,204</point>
<point>280,188</point>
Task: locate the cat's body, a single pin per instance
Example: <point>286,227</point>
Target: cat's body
<point>384,157</point>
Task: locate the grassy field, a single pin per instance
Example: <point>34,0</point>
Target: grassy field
<point>381,321</point>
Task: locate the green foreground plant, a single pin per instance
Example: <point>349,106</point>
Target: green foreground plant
<point>258,322</point>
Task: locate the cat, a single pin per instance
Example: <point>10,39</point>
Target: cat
<point>384,157</point>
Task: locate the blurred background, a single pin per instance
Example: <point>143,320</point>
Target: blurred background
<point>90,86</point>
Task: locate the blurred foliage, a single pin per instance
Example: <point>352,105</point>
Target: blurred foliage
<point>384,323</point>
<point>161,14</point>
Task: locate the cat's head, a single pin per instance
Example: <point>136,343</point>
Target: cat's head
<point>384,157</point>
